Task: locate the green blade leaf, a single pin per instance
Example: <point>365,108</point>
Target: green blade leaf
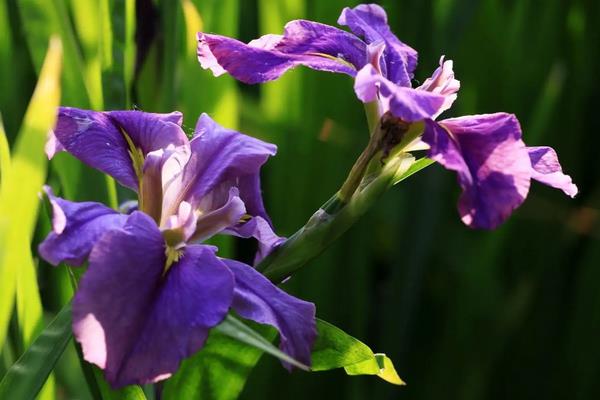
<point>236,329</point>
<point>18,197</point>
<point>334,348</point>
<point>415,167</point>
<point>219,371</point>
<point>25,378</point>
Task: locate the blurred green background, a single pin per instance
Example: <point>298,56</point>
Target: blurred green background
<point>464,314</point>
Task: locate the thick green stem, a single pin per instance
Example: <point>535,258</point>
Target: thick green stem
<point>324,227</point>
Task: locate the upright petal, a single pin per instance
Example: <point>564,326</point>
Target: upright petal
<point>218,156</point>
<point>257,299</point>
<point>442,82</point>
<point>317,46</point>
<point>491,161</point>
<point>150,131</point>
<point>75,229</point>
<point>408,104</point>
<point>547,169</point>
<point>370,22</point>
<point>93,138</point>
<point>218,219</point>
<point>136,322</point>
<point>100,139</point>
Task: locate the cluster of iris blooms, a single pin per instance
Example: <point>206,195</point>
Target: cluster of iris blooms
<point>153,291</point>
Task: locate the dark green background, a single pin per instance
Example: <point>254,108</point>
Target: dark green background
<point>464,314</point>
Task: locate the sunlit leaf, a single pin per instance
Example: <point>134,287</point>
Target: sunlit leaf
<point>25,378</point>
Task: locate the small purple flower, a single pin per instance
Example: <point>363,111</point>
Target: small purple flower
<point>493,164</point>
<point>152,290</point>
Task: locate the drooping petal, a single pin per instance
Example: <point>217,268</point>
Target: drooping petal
<point>75,229</point>
<point>260,229</point>
<point>218,156</point>
<point>136,323</point>
<point>547,169</point>
<point>257,299</point>
<point>317,46</point>
<point>408,104</point>
<point>100,139</point>
<point>442,82</point>
<point>370,22</point>
<point>491,161</point>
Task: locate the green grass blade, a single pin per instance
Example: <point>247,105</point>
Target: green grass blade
<point>236,329</point>
<point>219,371</point>
<point>21,184</point>
<point>25,378</point>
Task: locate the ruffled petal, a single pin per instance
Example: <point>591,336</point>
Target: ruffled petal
<point>75,229</point>
<point>491,161</point>
<point>136,323</point>
<point>547,169</point>
<point>99,138</point>
<point>408,104</point>
<point>317,46</point>
<point>257,299</point>
<point>370,22</point>
<point>261,230</point>
<point>442,82</point>
<point>219,219</point>
<point>218,156</point>
<point>150,131</point>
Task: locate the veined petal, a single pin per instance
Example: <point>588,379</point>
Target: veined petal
<point>317,46</point>
<point>76,227</point>
<point>442,82</point>
<point>137,324</point>
<point>219,219</point>
<point>547,169</point>
<point>101,139</point>
<point>218,156</point>
<point>150,131</point>
<point>491,161</point>
<point>260,229</point>
<point>370,22</point>
<point>406,103</point>
<point>257,299</point>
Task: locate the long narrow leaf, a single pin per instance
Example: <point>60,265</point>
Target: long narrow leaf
<point>25,378</point>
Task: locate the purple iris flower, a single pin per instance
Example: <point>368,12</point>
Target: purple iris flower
<point>152,290</point>
<point>493,165</point>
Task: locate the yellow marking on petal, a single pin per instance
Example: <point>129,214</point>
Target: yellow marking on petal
<point>173,255</point>
<point>330,57</point>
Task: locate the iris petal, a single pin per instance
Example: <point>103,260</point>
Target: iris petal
<point>257,299</point>
<point>134,322</point>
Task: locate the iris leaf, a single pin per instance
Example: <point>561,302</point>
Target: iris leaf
<point>236,329</point>
<point>219,371</point>
<point>26,377</point>
<point>413,169</point>
<point>334,348</point>
<point>19,201</point>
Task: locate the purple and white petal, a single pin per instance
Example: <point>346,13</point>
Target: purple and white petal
<point>93,138</point>
<point>261,230</point>
<point>218,156</point>
<point>442,82</point>
<point>491,162</point>
<point>257,299</point>
<point>150,131</point>
<point>403,102</point>
<point>547,169</point>
<point>98,138</point>
<point>161,318</point>
<point>218,219</point>
<point>75,229</point>
<point>370,22</point>
<point>317,46</point>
